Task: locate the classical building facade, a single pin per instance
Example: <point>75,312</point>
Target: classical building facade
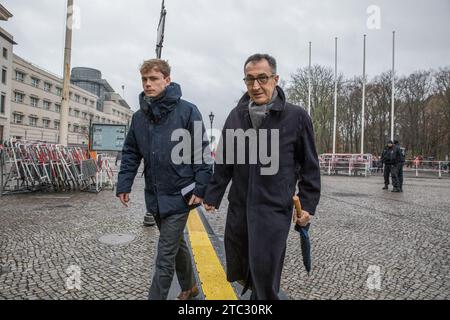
<point>6,58</point>
<point>36,106</point>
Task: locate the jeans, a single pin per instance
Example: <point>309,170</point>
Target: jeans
<point>173,255</point>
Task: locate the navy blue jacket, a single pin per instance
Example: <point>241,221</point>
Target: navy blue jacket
<point>149,137</point>
<point>391,156</point>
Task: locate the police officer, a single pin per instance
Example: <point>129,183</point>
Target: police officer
<point>391,158</point>
<point>401,163</point>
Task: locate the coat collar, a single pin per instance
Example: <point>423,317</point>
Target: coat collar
<point>278,105</point>
<point>163,104</point>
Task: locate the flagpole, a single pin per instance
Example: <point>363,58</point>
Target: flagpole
<point>309,81</point>
<point>363,119</point>
<point>160,31</point>
<point>64,116</point>
<point>393,86</point>
<point>335,94</point>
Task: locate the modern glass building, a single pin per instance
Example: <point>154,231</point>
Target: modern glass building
<point>91,80</point>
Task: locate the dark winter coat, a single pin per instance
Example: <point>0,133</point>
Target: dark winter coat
<point>260,206</point>
<point>149,138</point>
<point>391,156</point>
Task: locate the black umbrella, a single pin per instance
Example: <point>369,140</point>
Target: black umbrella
<point>304,237</point>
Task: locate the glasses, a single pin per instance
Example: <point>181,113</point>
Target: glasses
<point>249,81</point>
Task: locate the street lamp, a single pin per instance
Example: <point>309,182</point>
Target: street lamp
<point>91,116</point>
<point>211,119</point>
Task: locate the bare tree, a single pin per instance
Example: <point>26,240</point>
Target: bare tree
<point>422,114</point>
<point>322,90</point>
<point>442,89</point>
<point>413,119</point>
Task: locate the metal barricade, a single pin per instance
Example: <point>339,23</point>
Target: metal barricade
<point>425,168</point>
<point>29,166</point>
<point>344,163</point>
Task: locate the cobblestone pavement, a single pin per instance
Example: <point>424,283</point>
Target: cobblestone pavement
<point>43,235</point>
<point>358,229</point>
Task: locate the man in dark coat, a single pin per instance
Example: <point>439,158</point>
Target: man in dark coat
<point>391,158</point>
<point>400,164</point>
<point>260,199</point>
<point>162,114</point>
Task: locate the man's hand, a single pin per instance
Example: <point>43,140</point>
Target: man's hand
<point>303,220</point>
<point>208,208</point>
<point>195,200</point>
<point>124,198</point>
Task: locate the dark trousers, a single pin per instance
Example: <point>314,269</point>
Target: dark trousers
<point>173,255</point>
<point>392,170</point>
<point>400,175</point>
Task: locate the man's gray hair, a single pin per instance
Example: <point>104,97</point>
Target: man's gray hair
<point>260,56</point>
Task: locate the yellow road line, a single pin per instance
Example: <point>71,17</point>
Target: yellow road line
<point>212,276</point>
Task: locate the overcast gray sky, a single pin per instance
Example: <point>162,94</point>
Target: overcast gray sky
<point>207,41</point>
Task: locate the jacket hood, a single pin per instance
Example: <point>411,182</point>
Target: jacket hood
<point>162,104</point>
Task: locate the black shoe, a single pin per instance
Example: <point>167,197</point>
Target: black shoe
<point>385,187</point>
<point>396,190</point>
<point>149,220</point>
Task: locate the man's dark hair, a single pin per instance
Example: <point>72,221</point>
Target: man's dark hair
<point>260,56</point>
<point>395,141</point>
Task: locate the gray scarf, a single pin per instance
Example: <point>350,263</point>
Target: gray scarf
<point>259,112</point>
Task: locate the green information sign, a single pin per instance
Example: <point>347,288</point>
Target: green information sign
<point>108,137</point>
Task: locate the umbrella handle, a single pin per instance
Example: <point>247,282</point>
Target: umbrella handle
<point>298,206</point>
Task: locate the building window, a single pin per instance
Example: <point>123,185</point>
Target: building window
<point>4,75</point>
<point>34,82</point>
<point>77,113</point>
<point>57,108</point>
<point>34,102</point>
<point>85,100</point>
<point>47,86</point>
<point>75,128</point>
<point>20,76</point>
<point>33,121</point>
<point>56,124</point>
<point>84,115</point>
<point>2,103</point>
<point>47,105</point>
<point>58,91</point>
<point>18,97</point>
<point>103,120</point>
<point>17,118</point>
<point>5,53</point>
<point>77,98</point>
<point>46,123</point>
